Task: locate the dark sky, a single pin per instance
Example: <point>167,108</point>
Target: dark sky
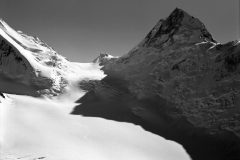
<point>81,29</point>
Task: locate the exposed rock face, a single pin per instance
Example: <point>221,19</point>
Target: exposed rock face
<point>178,83</point>
<point>180,28</point>
<point>2,95</point>
<point>198,75</point>
<point>89,85</point>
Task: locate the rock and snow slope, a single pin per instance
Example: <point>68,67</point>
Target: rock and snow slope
<point>29,66</point>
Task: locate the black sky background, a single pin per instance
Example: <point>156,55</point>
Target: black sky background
<point>81,29</point>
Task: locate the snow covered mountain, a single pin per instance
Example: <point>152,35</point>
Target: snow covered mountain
<point>178,82</point>
<point>29,66</point>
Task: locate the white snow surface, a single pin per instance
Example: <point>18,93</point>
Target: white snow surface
<point>36,127</point>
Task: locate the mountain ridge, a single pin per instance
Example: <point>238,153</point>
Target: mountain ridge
<point>29,66</point>
<point>178,21</point>
<point>178,83</point>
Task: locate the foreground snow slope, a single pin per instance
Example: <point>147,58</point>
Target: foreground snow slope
<point>34,128</point>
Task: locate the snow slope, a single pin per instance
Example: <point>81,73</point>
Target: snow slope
<point>34,128</point>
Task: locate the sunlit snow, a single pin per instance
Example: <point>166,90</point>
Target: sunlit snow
<point>36,127</point>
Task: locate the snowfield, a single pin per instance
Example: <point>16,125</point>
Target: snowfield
<point>34,128</point>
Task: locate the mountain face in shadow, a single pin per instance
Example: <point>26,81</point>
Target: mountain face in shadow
<point>179,83</point>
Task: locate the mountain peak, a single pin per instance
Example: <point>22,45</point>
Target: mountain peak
<point>103,58</point>
<point>179,26</point>
<point>174,19</point>
<point>178,11</point>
